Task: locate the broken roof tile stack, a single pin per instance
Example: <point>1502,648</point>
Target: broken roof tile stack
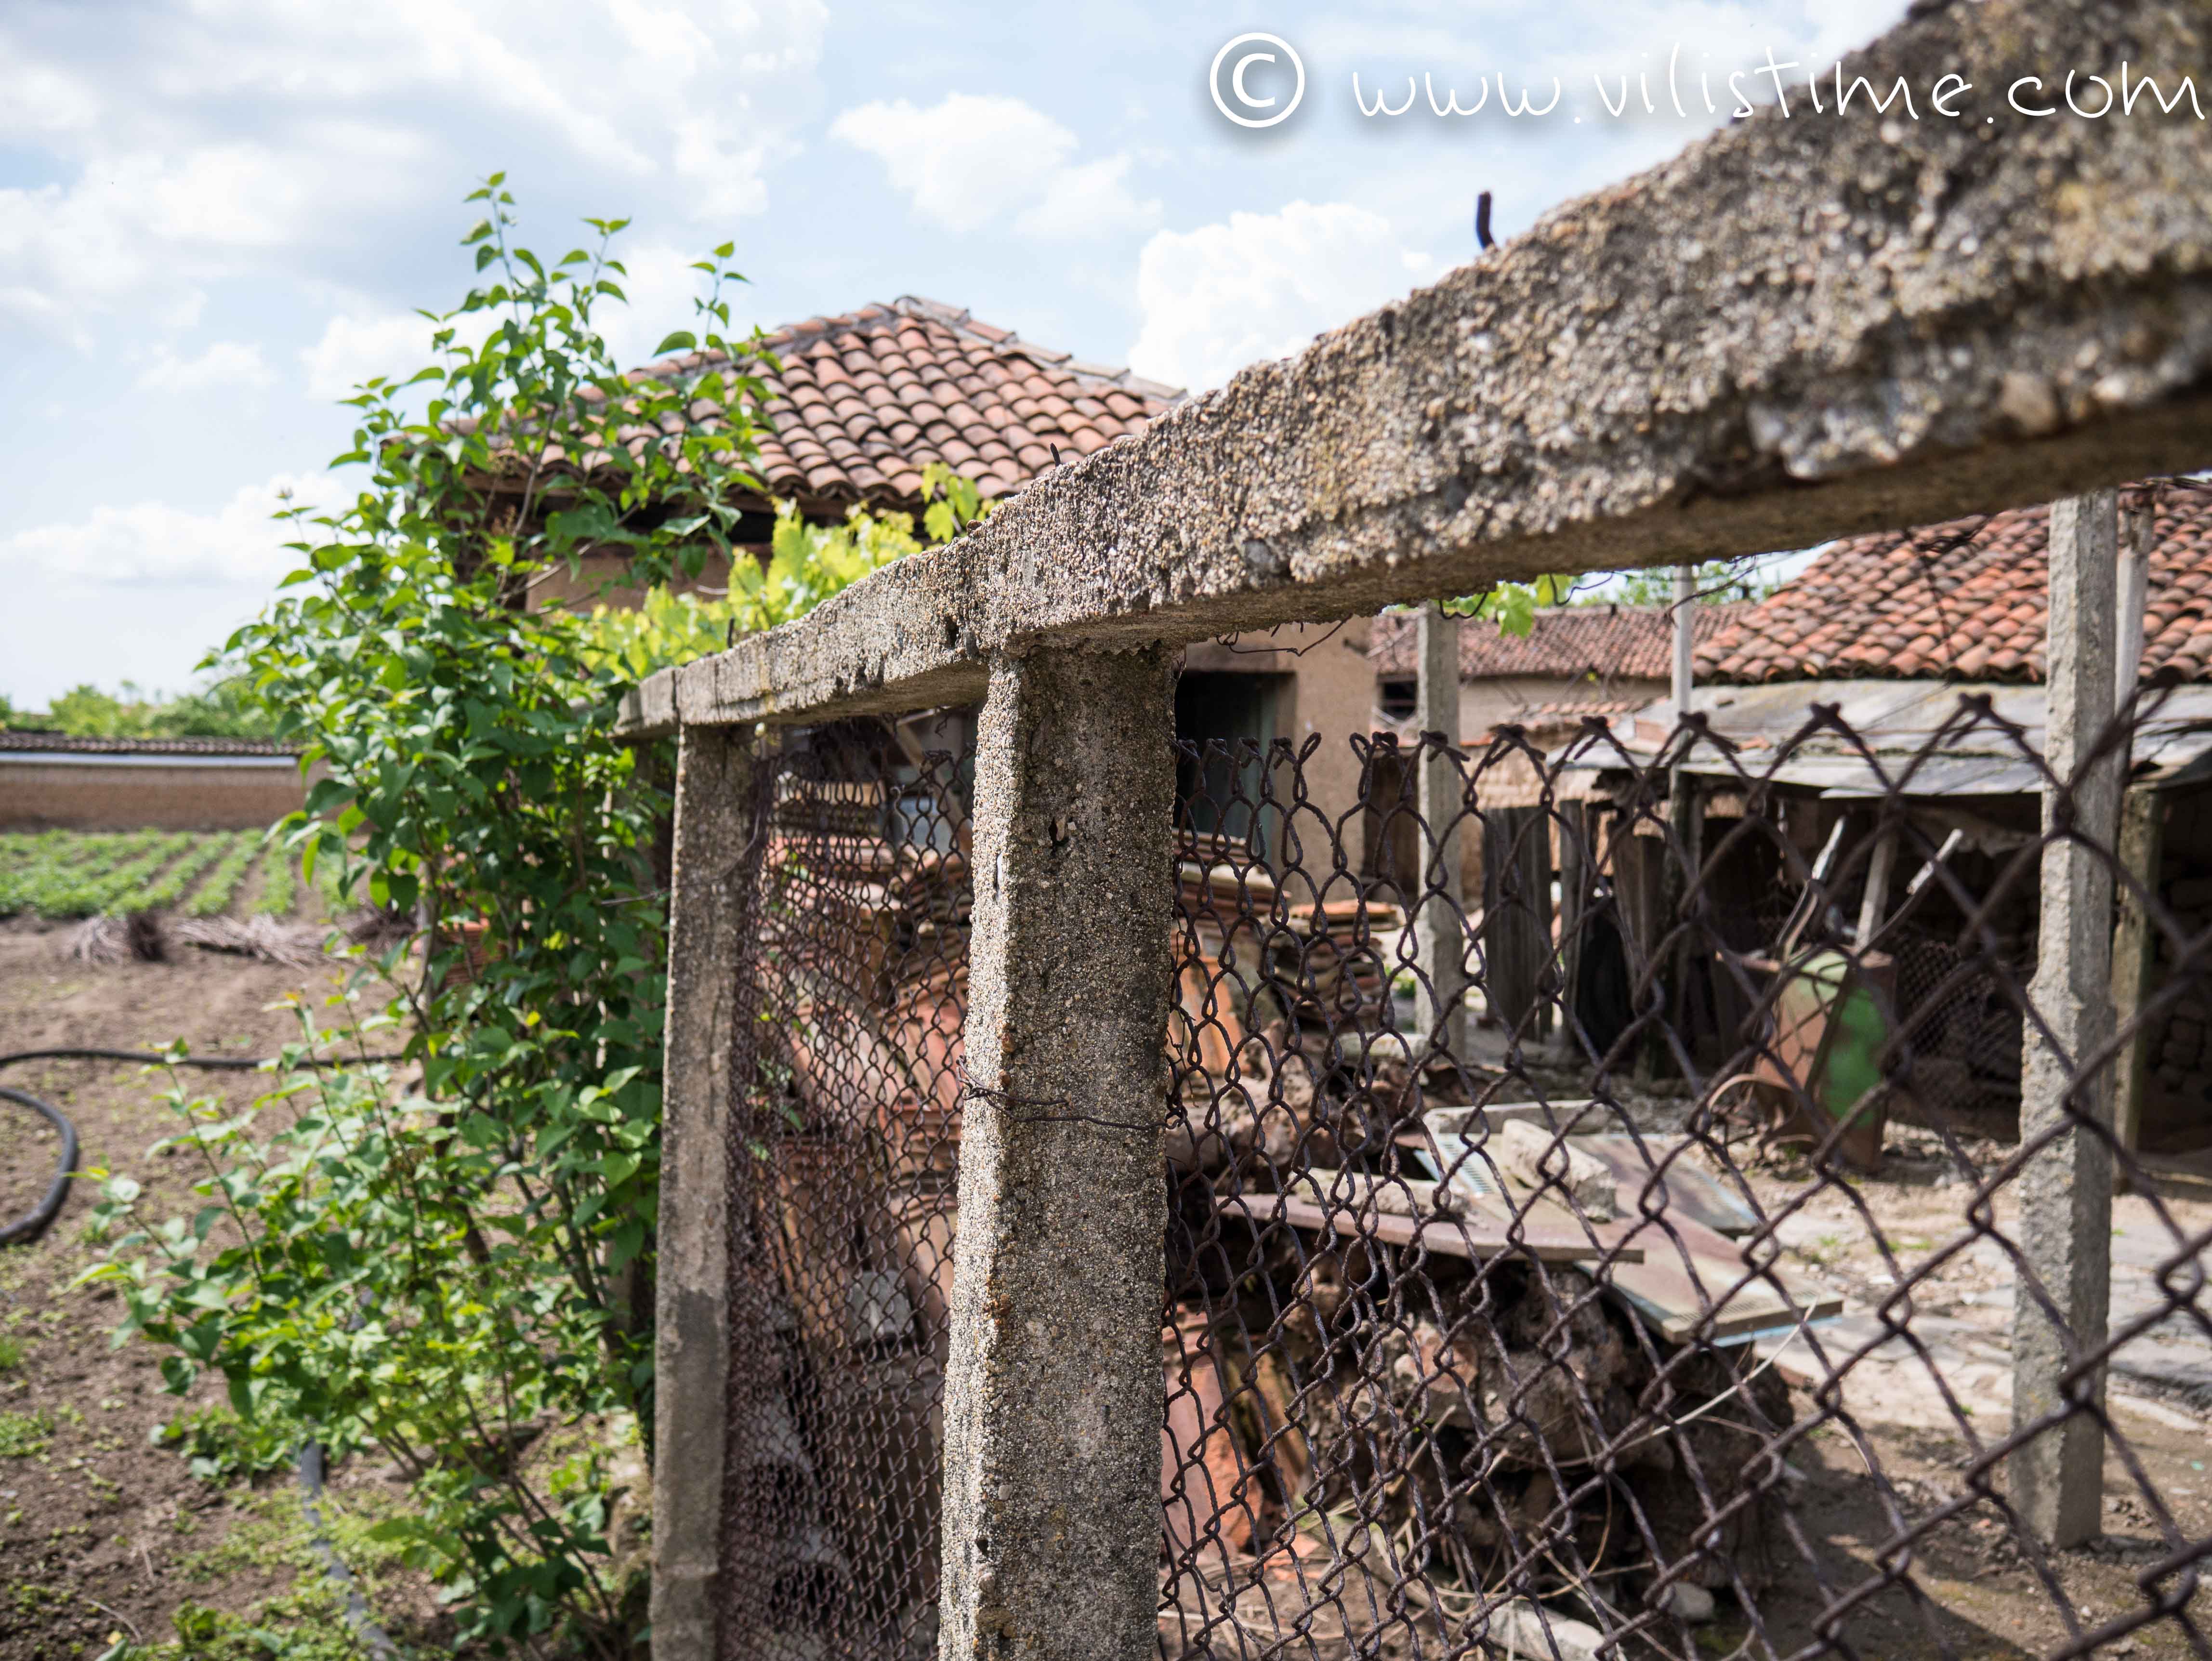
<point>864,401</point>
<point>1602,643</point>
<point>1964,600</point>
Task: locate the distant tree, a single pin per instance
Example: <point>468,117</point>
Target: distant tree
<point>223,708</point>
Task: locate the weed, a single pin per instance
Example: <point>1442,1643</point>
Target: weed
<point>222,1447</point>
<point>25,1435</point>
<point>11,1353</point>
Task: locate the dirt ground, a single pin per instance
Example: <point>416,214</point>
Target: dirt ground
<point>102,1531</point>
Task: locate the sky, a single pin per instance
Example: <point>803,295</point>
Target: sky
<point>218,216</point>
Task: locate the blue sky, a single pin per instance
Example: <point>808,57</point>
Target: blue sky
<point>216,216</point>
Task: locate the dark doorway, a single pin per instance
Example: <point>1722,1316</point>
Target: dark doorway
<point>1227,721</point>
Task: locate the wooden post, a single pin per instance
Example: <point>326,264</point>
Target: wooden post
<point>2135,960</point>
<point>1575,821</point>
<point>710,882</point>
<point>2062,1298</point>
<point>1874,904</point>
<point>1439,926</point>
<point>1053,1394</point>
<point>2141,847</point>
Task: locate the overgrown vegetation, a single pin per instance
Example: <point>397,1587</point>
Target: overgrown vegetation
<point>454,1273</point>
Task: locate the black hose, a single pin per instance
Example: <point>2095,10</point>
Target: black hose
<point>223,1063</point>
<point>28,1228</point>
<point>366,1633</point>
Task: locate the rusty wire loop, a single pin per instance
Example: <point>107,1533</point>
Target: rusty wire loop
<point>1657,1301</point>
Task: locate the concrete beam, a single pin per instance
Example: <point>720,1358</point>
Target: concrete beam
<point>1053,1396</point>
<point>714,828</point>
<point>1801,327</point>
<point>2063,1293</point>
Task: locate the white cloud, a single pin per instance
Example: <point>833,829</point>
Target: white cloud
<point>357,116</point>
<point>236,546</point>
<point>224,364</point>
<point>360,342</point>
<point>971,159</point>
<point>351,349</point>
<point>139,592</point>
<point>1261,286</point>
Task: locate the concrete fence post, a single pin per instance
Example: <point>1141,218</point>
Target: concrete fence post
<point>714,826</point>
<point>1053,1396</point>
<point>2057,1480</point>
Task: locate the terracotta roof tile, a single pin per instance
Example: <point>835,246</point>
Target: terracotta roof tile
<point>1610,643</point>
<point>1961,600</point>
<point>865,399</point>
<point>65,743</point>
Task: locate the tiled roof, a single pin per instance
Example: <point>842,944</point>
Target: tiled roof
<point>864,401</point>
<point>1964,600</point>
<point>193,746</point>
<point>1610,643</point>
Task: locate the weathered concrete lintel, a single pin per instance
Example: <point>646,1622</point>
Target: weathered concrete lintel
<point>1797,329</point>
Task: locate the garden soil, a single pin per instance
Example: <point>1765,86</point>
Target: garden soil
<point>102,1531</point>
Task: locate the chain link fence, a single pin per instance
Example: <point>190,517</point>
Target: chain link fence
<point>1659,1298</point>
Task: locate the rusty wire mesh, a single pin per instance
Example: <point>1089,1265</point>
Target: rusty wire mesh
<point>845,1147</point>
<point>1658,1301</point>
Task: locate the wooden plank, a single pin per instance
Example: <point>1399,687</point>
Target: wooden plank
<point>1477,1239</point>
<point>1700,1299</point>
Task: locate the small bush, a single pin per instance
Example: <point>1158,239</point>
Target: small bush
<point>221,1447</point>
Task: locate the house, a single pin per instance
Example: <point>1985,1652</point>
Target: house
<point>1573,658</point>
<point>1929,644</point>
<point>865,400</point>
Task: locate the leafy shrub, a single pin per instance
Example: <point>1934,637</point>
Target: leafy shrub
<point>427,1274</point>
<point>441,1274</point>
<point>224,707</point>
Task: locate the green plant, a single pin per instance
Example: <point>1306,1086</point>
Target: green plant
<point>24,1434</point>
<point>220,1447</point>
<point>223,708</point>
<point>11,1352</point>
<point>806,564</point>
<point>166,889</point>
<point>446,1274</point>
<point>214,896</point>
<point>280,888</point>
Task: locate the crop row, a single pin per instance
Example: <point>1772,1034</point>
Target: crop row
<point>212,899</point>
<point>58,886</point>
<point>75,874</point>
<point>280,886</point>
